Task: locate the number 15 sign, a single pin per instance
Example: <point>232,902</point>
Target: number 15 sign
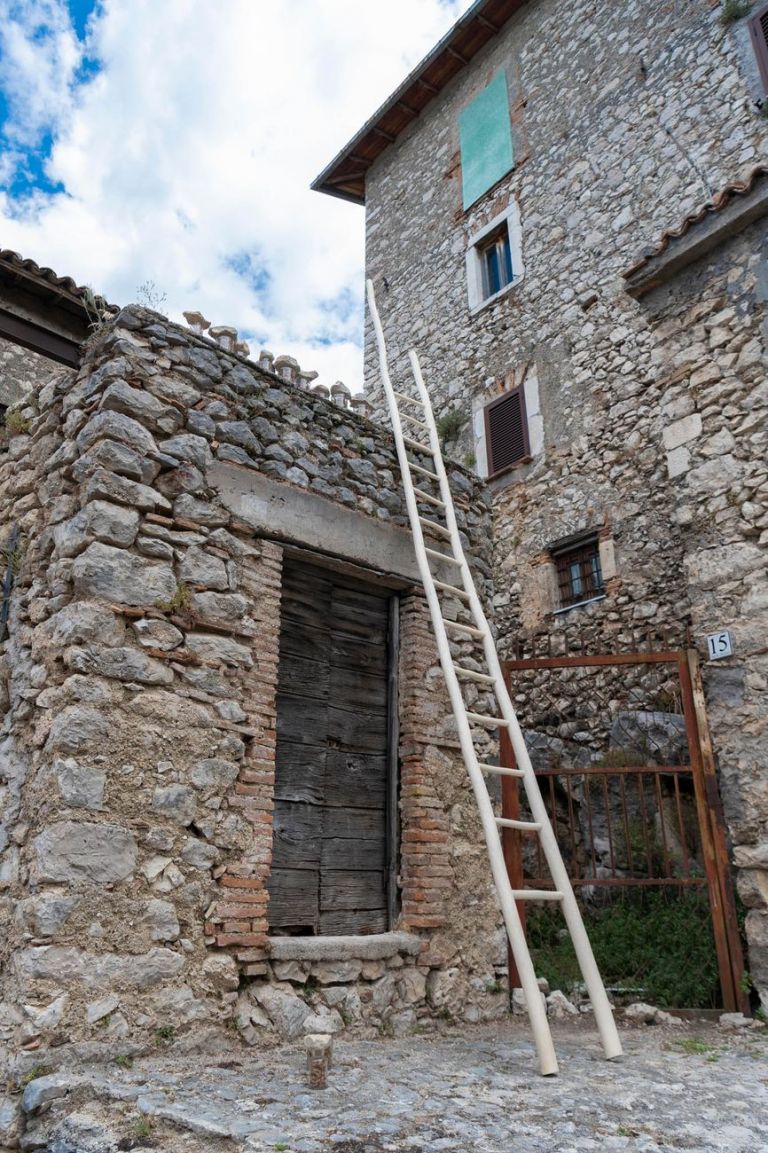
<point>719,645</point>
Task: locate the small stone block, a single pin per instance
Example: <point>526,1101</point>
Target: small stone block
<point>319,1052</point>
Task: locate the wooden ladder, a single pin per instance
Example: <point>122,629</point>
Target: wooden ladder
<point>434,492</point>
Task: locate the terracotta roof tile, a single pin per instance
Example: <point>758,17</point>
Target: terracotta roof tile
<point>46,277</point>
<point>720,201</point>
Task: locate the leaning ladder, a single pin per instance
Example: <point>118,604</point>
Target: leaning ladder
<point>466,721</point>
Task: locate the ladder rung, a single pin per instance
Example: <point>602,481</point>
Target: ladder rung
<point>455,591</point>
<point>471,675</point>
<point>442,556</point>
<point>417,446</point>
<point>419,492</point>
<point>463,629</point>
<point>408,399</point>
<point>509,823</point>
<point>413,420</point>
<point>490,722</point>
<point>433,526</point>
<point>500,770</point>
<point>423,471</point>
<point>537,895</point>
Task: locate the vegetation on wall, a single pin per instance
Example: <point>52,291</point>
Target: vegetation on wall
<point>450,424</point>
<point>734,10</point>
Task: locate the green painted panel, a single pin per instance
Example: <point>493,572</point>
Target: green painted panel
<point>485,136</point>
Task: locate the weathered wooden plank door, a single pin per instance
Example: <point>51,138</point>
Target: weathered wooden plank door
<point>331,847</point>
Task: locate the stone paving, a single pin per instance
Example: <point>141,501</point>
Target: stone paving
<point>691,1087</point>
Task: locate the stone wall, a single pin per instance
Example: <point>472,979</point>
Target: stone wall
<point>709,328</point>
<point>600,170</point>
<point>154,493</point>
<point>624,119</point>
<point>22,370</point>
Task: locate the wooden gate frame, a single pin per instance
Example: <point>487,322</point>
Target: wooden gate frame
<point>730,958</point>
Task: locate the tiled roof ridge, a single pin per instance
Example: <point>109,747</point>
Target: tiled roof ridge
<point>719,201</point>
<point>47,275</point>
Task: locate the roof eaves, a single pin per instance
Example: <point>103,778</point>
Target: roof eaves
<point>351,185</point>
<point>718,203</point>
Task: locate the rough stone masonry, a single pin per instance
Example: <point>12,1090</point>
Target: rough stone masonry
<point>154,492</point>
<point>646,416</point>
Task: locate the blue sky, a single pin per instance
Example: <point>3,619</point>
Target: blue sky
<point>173,142</point>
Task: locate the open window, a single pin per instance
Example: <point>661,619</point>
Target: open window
<point>494,258</point>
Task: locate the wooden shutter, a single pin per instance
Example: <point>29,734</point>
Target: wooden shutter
<point>331,849</point>
<point>758,31</point>
<point>506,431</point>
<point>485,140</point>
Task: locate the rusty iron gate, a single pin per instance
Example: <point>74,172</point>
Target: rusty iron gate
<point>621,747</point>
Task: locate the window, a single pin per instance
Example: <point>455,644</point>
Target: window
<point>758,31</point>
<point>579,574</point>
<point>485,140</point>
<point>506,432</point>
<point>496,262</point>
<point>494,258</point>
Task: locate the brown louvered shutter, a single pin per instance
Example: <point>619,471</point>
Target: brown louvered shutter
<point>506,431</point>
<point>758,31</point>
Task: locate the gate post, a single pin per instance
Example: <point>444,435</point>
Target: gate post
<point>716,821</point>
<point>714,854</point>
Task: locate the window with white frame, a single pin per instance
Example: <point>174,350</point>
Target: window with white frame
<point>494,258</point>
<point>508,430</point>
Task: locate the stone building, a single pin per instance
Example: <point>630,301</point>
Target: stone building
<point>566,217</point>
<point>231,791</point>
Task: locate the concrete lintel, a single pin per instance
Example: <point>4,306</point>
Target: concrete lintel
<point>701,238</point>
<point>287,513</point>
<point>373,947</point>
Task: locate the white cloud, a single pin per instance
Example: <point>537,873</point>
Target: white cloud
<point>187,159</point>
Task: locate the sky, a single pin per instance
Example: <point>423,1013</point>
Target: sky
<point>169,146</point>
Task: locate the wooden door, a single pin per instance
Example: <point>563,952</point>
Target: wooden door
<point>331,848</point>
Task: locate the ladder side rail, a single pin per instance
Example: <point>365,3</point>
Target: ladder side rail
<point>534,1001</point>
<point>571,912</point>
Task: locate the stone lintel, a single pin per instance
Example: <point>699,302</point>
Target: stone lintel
<point>291,515</point>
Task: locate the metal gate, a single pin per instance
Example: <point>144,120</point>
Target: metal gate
<point>621,747</point>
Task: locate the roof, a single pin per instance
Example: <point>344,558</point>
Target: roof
<point>718,203</point>
<point>63,287</point>
<point>49,314</point>
<point>345,175</point>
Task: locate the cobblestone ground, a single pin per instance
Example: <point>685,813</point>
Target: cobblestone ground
<point>691,1087</point>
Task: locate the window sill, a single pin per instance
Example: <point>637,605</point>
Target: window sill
<point>579,605</point>
<point>370,947</point>
<point>489,300</point>
<point>509,468</point>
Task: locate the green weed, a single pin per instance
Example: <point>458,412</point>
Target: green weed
<point>734,10</point>
<point>15,423</point>
<point>142,1127</point>
<point>450,425</point>
<point>179,602</point>
<point>695,1045</point>
<point>658,942</point>
<point>33,1073</point>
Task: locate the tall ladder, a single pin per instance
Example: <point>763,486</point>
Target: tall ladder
<point>450,555</point>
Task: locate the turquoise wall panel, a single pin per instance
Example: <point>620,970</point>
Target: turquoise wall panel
<point>485,137</point>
